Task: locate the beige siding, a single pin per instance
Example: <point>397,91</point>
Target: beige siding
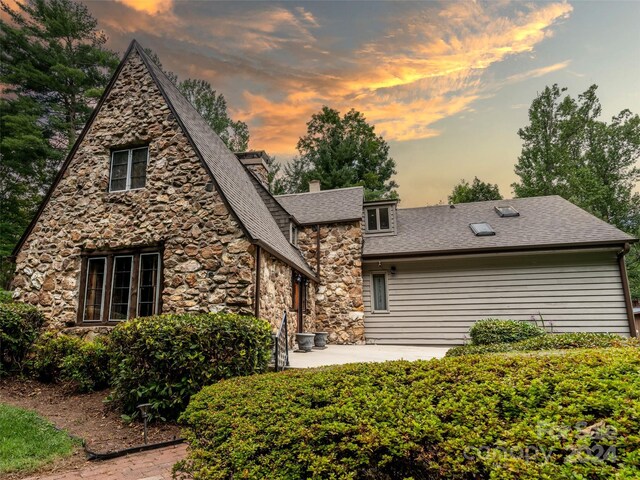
<point>437,301</point>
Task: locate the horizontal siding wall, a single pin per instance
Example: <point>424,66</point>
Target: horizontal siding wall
<point>436,302</point>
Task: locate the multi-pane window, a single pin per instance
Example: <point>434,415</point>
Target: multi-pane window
<point>119,286</point>
<point>148,284</point>
<point>128,169</point>
<point>379,292</point>
<point>378,219</point>
<point>93,304</point>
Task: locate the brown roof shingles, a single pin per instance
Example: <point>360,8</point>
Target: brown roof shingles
<point>544,222</point>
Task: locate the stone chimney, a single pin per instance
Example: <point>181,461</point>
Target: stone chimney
<point>257,162</point>
<point>314,185</point>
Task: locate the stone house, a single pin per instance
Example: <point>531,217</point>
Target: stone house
<point>152,213</point>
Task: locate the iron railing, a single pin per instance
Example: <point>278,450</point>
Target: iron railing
<point>281,341</point>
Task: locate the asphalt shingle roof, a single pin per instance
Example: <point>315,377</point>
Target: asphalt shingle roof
<point>543,222</point>
<point>229,174</point>
<point>326,206</point>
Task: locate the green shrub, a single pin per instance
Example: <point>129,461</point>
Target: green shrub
<point>550,341</point>
<point>83,365</point>
<point>6,296</point>
<point>164,360</point>
<point>492,330</point>
<point>19,327</point>
<point>458,418</point>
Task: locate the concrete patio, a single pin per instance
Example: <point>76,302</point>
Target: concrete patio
<point>341,354</point>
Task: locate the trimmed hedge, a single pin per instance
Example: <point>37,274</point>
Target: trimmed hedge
<point>6,296</point>
<point>163,360</point>
<point>493,330</point>
<point>19,328</point>
<point>550,341</point>
<point>83,365</point>
<point>499,417</point>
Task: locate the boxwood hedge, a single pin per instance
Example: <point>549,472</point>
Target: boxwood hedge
<point>500,417</point>
<point>163,360</point>
<point>19,328</point>
<point>550,341</point>
<point>493,330</point>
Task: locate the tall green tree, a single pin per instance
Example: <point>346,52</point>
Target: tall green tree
<point>342,151</point>
<point>212,106</point>
<point>51,51</point>
<point>477,191</point>
<point>569,151</point>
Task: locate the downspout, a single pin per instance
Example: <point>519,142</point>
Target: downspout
<point>256,295</point>
<point>318,251</point>
<point>627,292</point>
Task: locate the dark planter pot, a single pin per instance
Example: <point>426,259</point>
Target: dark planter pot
<point>320,339</point>
<point>305,341</point>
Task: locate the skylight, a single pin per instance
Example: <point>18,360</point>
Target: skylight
<point>481,229</point>
<point>507,211</point>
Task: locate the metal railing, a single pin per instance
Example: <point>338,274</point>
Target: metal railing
<point>281,340</point>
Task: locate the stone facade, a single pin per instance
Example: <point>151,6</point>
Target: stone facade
<point>338,300</point>
<point>276,296</point>
<point>208,262</point>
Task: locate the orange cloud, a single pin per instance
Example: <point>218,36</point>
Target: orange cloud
<point>152,7</point>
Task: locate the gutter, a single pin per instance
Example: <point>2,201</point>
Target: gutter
<point>627,293</point>
<point>256,294</point>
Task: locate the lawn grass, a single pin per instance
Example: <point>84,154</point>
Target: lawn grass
<point>28,441</point>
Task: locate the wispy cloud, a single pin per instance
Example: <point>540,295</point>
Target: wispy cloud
<point>279,63</point>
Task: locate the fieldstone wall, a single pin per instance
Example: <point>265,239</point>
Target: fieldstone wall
<point>208,262</point>
<point>276,296</point>
<point>338,301</point>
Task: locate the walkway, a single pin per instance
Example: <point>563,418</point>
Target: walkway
<point>150,465</point>
<point>340,354</point>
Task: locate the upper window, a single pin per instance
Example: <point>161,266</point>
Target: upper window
<point>378,219</point>
<point>293,234</point>
<point>507,211</point>
<point>128,169</point>
<point>121,286</point>
<point>482,229</point>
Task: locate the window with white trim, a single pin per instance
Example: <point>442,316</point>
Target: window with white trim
<point>379,293</point>
<point>378,219</point>
<point>120,285</point>
<point>128,169</point>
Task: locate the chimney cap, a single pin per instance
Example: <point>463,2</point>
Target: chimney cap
<point>314,186</point>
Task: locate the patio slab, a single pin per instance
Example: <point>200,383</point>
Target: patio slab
<point>341,354</point>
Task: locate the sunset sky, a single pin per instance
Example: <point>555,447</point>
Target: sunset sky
<point>447,84</point>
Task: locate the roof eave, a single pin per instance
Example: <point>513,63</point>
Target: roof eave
<point>519,248</point>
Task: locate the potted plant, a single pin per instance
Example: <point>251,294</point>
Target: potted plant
<point>320,339</point>
<point>305,341</point>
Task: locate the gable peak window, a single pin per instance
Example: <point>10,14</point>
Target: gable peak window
<point>128,169</point>
<point>378,219</point>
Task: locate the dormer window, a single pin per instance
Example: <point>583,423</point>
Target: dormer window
<point>128,169</point>
<point>378,219</point>
<point>293,234</point>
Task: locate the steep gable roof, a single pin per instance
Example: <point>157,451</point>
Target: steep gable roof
<point>228,174</point>
<point>543,223</point>
<point>326,206</point>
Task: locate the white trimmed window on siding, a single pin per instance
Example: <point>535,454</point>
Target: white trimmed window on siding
<point>379,292</point>
<point>128,169</point>
<point>378,219</point>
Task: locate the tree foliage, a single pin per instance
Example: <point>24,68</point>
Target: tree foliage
<point>52,52</point>
<point>568,151</point>
<point>342,151</point>
<point>212,106</point>
<point>53,66</point>
<point>477,191</point>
